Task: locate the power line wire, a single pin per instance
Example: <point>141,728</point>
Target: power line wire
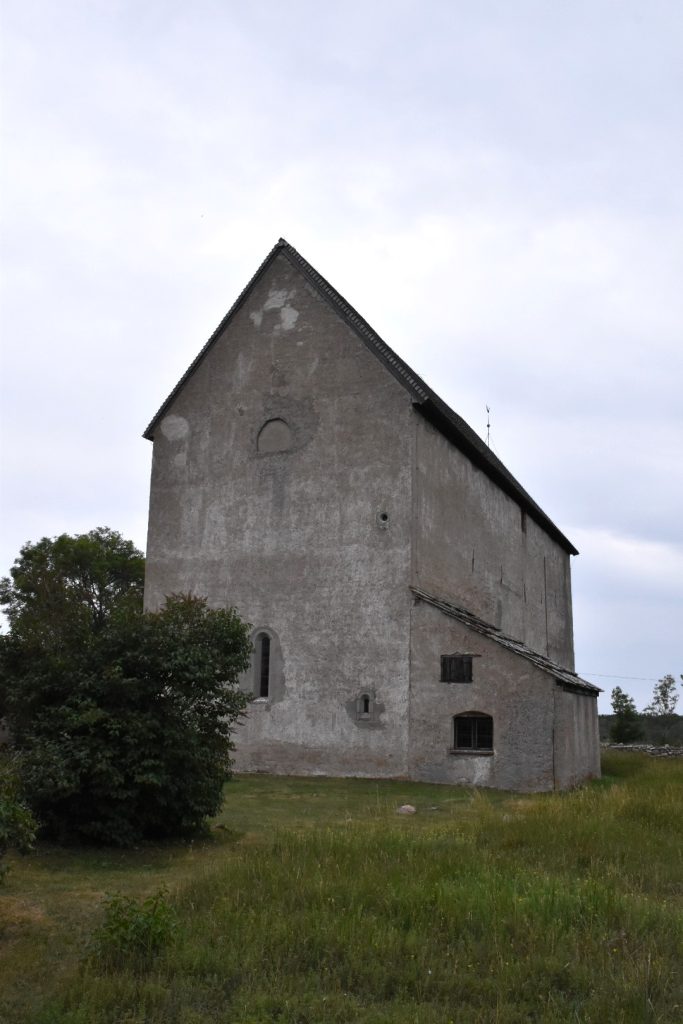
<point>600,675</point>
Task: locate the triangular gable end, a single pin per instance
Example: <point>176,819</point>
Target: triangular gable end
<point>426,401</point>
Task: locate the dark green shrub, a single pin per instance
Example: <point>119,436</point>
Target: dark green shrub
<point>134,932</point>
<point>626,730</point>
<point>17,824</point>
<point>626,726</point>
<point>122,719</point>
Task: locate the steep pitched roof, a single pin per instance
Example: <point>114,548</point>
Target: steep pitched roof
<point>426,402</point>
<point>568,679</point>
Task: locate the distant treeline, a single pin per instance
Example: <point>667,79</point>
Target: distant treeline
<point>656,729</point>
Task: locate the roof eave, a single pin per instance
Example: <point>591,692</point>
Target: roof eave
<point>442,418</point>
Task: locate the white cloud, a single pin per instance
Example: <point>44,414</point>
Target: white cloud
<point>641,565</point>
<point>495,187</point>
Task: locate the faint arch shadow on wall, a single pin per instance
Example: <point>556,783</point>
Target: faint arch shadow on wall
<point>274,436</point>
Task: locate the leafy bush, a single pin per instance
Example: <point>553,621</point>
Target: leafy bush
<point>17,824</point>
<point>122,720</point>
<point>134,932</point>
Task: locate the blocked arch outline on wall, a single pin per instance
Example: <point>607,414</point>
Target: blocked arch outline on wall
<point>274,436</point>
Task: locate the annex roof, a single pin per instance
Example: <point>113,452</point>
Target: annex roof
<point>562,675</point>
<point>426,402</point>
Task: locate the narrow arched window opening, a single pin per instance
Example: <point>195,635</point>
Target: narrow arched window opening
<point>264,664</point>
<point>364,705</point>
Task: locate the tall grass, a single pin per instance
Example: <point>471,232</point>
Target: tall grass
<point>559,908</point>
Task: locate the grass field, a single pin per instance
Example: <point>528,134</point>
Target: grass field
<point>314,902</point>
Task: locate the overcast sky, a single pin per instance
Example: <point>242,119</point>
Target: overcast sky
<point>496,185</point>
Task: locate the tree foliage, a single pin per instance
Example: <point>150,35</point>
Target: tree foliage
<point>662,708</point>
<point>17,824</point>
<point>626,727</point>
<point>64,587</point>
<point>122,720</point>
<point>664,698</point>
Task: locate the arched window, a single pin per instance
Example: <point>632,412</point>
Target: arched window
<point>262,646</point>
<point>364,705</point>
<point>274,436</point>
<point>472,731</point>
<point>265,677</point>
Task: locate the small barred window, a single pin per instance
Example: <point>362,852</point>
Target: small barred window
<point>456,668</point>
<point>473,731</point>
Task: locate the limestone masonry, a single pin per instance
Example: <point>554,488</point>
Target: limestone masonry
<point>410,602</point>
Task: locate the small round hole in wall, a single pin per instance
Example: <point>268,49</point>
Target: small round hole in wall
<point>383,520</point>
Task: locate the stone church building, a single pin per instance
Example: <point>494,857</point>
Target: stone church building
<point>410,602</point>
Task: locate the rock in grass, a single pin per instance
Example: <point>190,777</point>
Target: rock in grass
<point>406,809</point>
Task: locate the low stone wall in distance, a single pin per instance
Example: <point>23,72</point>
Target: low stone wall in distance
<point>646,748</point>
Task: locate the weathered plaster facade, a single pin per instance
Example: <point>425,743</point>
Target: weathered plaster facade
<point>304,474</point>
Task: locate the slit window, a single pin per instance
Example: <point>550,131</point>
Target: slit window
<point>364,705</point>
<point>264,665</point>
<point>473,732</point>
<point>456,668</point>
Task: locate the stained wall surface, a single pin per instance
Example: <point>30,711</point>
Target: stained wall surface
<point>303,526</point>
<point>517,695</point>
<point>474,547</point>
<point>577,738</point>
<point>293,479</point>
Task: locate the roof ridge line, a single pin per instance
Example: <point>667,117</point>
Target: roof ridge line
<point>358,322</point>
